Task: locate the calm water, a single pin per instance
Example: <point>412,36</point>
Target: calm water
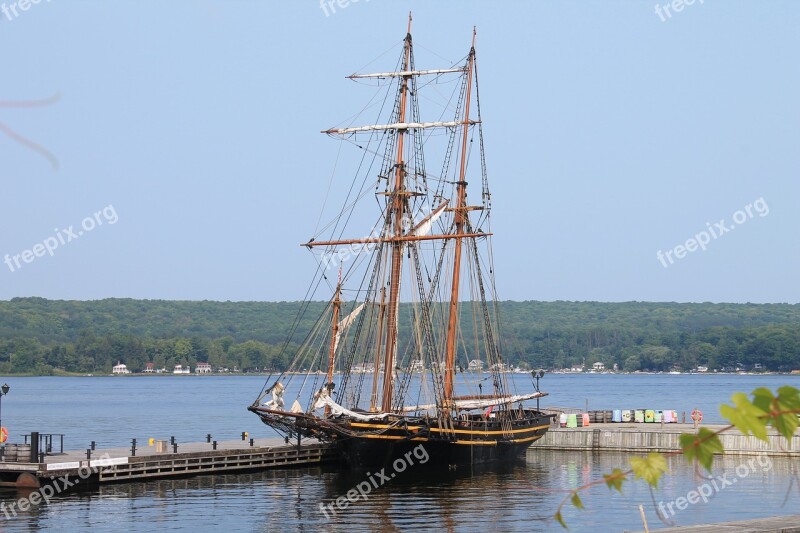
<point>113,410</point>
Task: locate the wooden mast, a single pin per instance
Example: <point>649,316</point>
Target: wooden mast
<point>376,371</point>
<point>460,210</point>
<point>398,207</point>
<point>337,303</point>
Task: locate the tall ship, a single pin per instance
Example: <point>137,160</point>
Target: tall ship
<point>388,362</point>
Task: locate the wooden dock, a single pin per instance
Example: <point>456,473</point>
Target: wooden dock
<point>632,437</point>
<point>774,524</point>
<point>112,465</point>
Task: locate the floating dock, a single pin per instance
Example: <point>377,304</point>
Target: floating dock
<point>631,437</point>
<point>114,465</point>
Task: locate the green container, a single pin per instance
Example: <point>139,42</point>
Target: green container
<point>572,420</point>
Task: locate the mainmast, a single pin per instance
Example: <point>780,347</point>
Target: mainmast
<point>460,210</point>
<point>398,208</point>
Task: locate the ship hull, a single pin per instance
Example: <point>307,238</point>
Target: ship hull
<point>470,440</point>
<point>369,453</point>
<point>467,443</point>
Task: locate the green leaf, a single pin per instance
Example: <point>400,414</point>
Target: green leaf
<point>701,447</point>
<point>649,468</point>
<point>786,424</point>
<point>789,396</point>
<point>576,501</point>
<point>762,398</point>
<point>788,403</point>
<point>615,479</point>
<point>747,417</point>
<point>560,520</point>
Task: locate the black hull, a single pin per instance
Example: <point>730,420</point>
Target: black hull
<point>469,440</point>
<point>368,453</point>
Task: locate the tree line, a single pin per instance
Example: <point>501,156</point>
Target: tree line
<point>44,336</point>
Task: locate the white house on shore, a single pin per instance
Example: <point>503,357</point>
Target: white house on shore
<point>179,369</point>
<point>203,368</point>
<point>119,368</point>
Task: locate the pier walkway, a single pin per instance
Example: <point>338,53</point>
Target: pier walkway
<point>108,465</point>
<point>653,437</point>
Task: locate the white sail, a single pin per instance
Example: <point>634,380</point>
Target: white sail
<point>344,324</point>
<point>324,399</point>
<point>479,404</point>
<point>403,73</point>
<point>400,126</point>
<point>425,226</point>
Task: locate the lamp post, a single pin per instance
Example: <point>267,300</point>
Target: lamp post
<point>537,375</point>
<point>3,391</point>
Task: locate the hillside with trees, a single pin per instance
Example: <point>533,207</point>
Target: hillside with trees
<point>43,336</point>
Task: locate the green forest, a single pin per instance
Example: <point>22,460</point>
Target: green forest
<point>44,337</point>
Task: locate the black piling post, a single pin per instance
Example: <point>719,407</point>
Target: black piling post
<point>34,446</point>
<point>208,437</point>
<point>133,447</point>
<point>251,442</point>
<point>172,441</point>
<point>41,457</point>
<point>94,445</point>
<point>244,435</point>
<point>174,447</point>
<point>88,453</point>
<point>214,445</point>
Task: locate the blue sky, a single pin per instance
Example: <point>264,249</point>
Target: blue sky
<point>611,135</point>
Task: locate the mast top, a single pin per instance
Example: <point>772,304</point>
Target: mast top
<point>409,23</point>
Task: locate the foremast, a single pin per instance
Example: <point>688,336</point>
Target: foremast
<point>337,305</point>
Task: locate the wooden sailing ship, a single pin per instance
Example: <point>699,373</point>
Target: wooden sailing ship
<point>383,371</point>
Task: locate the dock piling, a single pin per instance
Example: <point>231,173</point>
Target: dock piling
<point>34,446</point>
<point>94,445</point>
<point>174,447</point>
<point>214,445</point>
<point>252,441</point>
<point>88,453</point>
<point>133,447</point>
<point>208,437</point>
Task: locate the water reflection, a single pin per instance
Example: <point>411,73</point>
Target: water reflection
<point>519,498</point>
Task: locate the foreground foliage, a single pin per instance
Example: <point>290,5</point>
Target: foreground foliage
<point>747,416</point>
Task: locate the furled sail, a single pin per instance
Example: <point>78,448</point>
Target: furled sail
<point>479,403</point>
<point>324,399</point>
<point>426,224</point>
<point>345,323</point>
<point>276,402</point>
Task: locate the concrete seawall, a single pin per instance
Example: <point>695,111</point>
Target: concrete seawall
<point>657,438</point>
